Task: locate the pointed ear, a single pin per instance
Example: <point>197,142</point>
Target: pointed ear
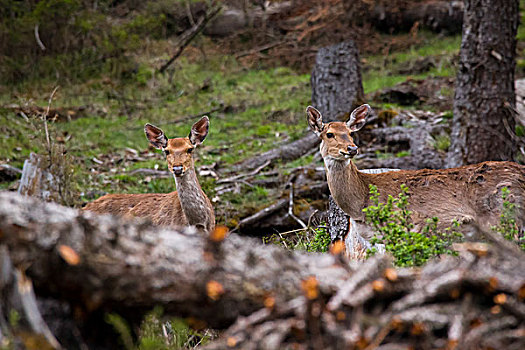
<point>199,130</point>
<point>358,117</point>
<point>314,119</point>
<point>155,136</point>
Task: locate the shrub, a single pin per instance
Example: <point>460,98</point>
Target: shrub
<point>508,227</point>
<point>393,227</point>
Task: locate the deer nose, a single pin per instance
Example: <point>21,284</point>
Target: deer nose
<point>352,150</point>
<point>177,170</point>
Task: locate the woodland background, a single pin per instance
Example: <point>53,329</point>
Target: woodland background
<point>79,79</point>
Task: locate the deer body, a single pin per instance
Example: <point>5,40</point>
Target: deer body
<point>189,205</point>
<point>468,194</point>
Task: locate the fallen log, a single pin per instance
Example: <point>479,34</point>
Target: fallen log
<point>102,263</point>
<point>285,153</point>
<point>470,302</point>
<point>273,297</point>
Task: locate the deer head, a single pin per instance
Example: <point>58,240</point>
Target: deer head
<point>336,139</point>
<point>178,151</point>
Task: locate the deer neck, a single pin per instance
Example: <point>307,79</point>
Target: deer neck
<point>347,186</point>
<point>194,202</point>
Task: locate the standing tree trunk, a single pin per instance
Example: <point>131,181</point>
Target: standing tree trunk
<point>484,100</point>
<point>336,90</point>
<point>336,81</point>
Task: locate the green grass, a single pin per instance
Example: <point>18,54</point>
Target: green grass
<point>381,72</point>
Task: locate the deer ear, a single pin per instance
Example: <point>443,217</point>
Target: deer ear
<point>358,117</point>
<point>199,130</point>
<point>314,119</point>
<point>155,136</point>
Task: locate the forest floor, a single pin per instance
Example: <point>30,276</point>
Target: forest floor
<point>99,122</point>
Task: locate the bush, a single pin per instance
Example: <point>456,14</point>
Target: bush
<point>508,227</point>
<point>394,228</point>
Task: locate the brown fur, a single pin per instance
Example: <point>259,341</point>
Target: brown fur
<point>469,194</point>
<point>187,206</point>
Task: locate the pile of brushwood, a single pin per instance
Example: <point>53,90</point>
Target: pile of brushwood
<point>83,266</point>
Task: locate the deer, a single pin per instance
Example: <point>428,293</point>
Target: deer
<point>469,195</point>
<point>188,206</point>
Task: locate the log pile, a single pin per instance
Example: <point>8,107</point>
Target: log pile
<point>267,296</point>
<point>471,302</point>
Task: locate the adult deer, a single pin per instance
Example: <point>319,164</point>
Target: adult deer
<point>469,194</point>
<point>189,205</point>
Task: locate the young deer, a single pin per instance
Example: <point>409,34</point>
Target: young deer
<point>189,205</point>
<point>469,194</point>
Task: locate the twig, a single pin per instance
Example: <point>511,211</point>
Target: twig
<point>262,214</point>
<point>237,177</point>
<point>258,49</point>
<point>189,35</point>
<point>45,121</point>
<point>37,38</point>
<point>188,12</point>
<point>290,208</point>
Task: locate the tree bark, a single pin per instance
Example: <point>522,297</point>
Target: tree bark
<point>290,299</point>
<point>113,264</point>
<point>336,81</point>
<point>484,100</point>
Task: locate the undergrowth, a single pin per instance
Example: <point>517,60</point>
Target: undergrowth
<point>156,333</point>
<point>508,226</point>
<point>309,239</point>
<point>394,228</point>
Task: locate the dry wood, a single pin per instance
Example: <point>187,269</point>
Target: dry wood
<point>290,299</point>
<point>285,153</point>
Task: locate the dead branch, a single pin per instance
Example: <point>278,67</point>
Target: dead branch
<point>189,35</point>
<point>258,49</point>
<point>288,152</point>
<point>288,299</point>
<point>243,176</point>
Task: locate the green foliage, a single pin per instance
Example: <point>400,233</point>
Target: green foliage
<point>80,41</point>
<point>14,318</point>
<point>508,227</point>
<point>402,154</point>
<point>393,228</point>
<point>156,333</point>
<point>123,330</point>
<point>441,142</point>
<point>309,239</point>
<point>520,130</point>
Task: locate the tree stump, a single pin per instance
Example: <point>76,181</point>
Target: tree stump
<point>484,101</point>
<point>37,181</point>
<point>336,81</point>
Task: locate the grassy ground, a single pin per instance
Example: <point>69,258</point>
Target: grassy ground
<point>264,108</point>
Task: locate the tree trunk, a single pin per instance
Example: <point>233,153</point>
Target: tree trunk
<point>484,101</point>
<point>336,81</point>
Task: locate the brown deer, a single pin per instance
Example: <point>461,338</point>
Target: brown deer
<point>189,205</point>
<point>469,194</point>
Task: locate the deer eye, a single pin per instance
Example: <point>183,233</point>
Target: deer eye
<point>166,152</point>
<point>329,135</point>
<point>189,150</point>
